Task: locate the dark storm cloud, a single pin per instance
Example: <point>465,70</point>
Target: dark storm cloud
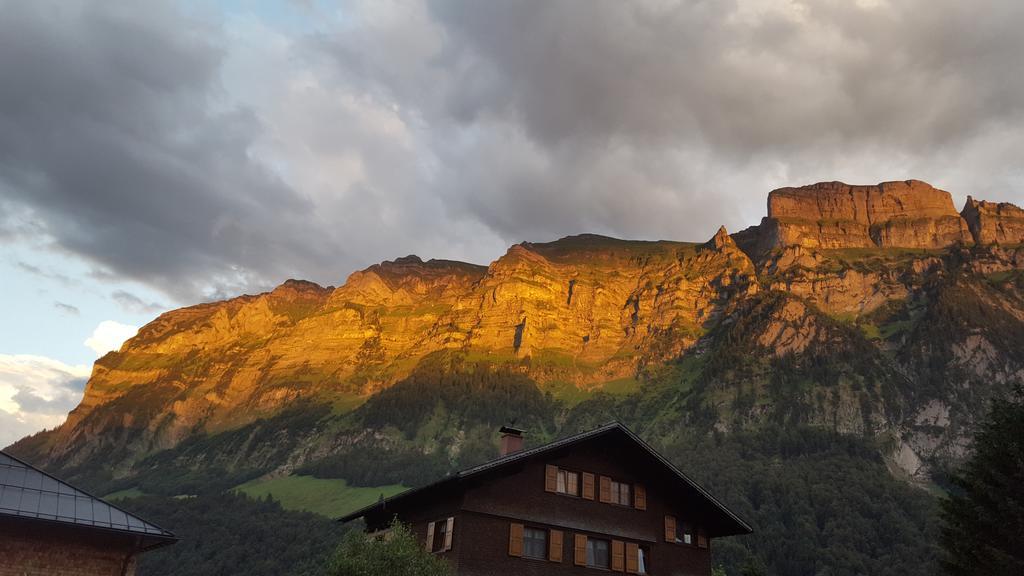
<point>108,134</point>
<point>206,161</point>
<point>740,76</point>
<point>679,104</point>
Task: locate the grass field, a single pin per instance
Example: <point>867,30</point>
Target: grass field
<point>328,497</point>
<point>128,493</point>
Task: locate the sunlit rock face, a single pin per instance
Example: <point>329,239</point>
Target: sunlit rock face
<point>582,310</point>
<point>834,215</point>
<point>587,311</point>
<point>994,222</point>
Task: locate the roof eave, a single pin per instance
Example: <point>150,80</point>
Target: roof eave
<point>743,527</point>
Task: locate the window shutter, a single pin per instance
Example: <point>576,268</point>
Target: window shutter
<point>632,558</point>
<point>588,486</point>
<point>430,537</point>
<point>580,549</point>
<point>702,538</point>
<point>555,545</point>
<point>618,555</point>
<point>606,489</point>
<point>550,478</point>
<point>515,540</point>
<point>640,497</point>
<point>448,534</point>
<point>670,528</point>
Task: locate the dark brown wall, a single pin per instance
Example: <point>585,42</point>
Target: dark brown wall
<point>487,507</point>
<point>484,552</point>
<point>29,550</point>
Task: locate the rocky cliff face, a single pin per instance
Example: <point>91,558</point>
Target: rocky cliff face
<point>992,222</point>
<point>825,313</point>
<point>832,215</point>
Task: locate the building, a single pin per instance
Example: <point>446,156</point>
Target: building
<point>599,501</point>
<point>48,527</point>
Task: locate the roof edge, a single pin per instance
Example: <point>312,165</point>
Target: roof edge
<point>569,440</point>
<point>167,534</point>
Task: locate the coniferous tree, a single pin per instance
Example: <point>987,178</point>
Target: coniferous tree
<point>984,516</point>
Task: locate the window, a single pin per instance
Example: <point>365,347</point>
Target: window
<point>440,529</point>
<point>535,543</point>
<point>685,533</point>
<point>643,560</point>
<point>597,553</point>
<point>439,535</point>
<point>620,493</point>
<point>568,483</point>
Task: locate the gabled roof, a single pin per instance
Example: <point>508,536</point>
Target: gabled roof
<point>740,526</point>
<point>27,492</point>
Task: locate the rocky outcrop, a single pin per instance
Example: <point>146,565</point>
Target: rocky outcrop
<point>994,223</point>
<point>831,215</point>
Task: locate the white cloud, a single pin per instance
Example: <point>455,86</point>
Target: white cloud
<point>109,335</point>
<point>36,392</point>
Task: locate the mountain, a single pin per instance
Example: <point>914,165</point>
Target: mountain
<point>865,327</point>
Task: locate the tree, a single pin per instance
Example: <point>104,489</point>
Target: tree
<point>395,554</point>
<point>983,516</point>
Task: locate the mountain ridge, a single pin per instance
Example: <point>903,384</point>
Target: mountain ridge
<point>832,267</point>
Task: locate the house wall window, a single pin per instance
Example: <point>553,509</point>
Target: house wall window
<point>439,535</point>
<point>685,533</point>
<point>620,493</point>
<point>535,543</point>
<point>598,555</point>
<point>568,483</point>
<point>643,560</point>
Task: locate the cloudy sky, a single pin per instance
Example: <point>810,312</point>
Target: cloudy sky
<point>155,154</point>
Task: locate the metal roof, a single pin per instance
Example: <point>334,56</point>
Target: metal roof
<point>27,492</point>
<point>569,440</point>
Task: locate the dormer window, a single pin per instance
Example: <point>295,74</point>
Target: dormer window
<point>568,483</point>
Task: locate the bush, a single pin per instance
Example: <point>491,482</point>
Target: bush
<point>395,554</point>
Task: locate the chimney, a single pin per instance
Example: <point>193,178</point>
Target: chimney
<point>511,440</point>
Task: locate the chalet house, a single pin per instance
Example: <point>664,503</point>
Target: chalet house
<point>48,527</point>
<point>596,502</point>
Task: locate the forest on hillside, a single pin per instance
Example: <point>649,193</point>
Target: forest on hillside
<point>819,503</point>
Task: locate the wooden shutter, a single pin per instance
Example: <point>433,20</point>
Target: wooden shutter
<point>618,555</point>
<point>430,537</point>
<point>632,558</point>
<point>606,489</point>
<point>555,545</point>
<point>702,538</point>
<point>448,534</point>
<point>551,478</point>
<point>588,486</point>
<point>579,549</point>
<point>640,497</point>
<point>515,539</point>
<point>670,528</point>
